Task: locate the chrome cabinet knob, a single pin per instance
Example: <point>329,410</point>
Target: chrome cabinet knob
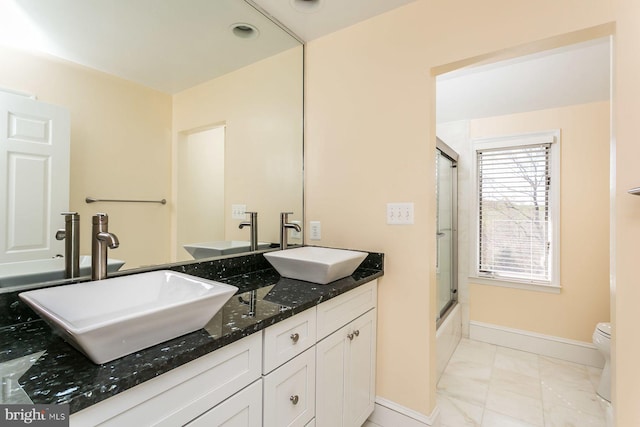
<point>294,337</point>
<point>356,332</point>
<point>294,399</point>
<point>350,336</point>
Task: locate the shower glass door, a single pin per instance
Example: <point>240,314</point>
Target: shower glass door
<point>446,229</point>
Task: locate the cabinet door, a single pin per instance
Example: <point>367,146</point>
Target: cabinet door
<point>290,392</point>
<point>330,378</point>
<point>361,363</point>
<point>346,374</point>
<point>243,409</point>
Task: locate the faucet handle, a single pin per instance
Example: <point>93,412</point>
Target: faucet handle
<point>101,218</point>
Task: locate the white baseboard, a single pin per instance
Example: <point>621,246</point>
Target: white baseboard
<point>545,345</point>
<point>390,414</point>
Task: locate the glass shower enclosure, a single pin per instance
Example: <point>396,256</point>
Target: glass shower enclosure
<point>446,229</point>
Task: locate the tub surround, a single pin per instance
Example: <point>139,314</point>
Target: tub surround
<point>63,375</point>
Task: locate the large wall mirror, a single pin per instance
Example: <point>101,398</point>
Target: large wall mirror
<point>198,103</point>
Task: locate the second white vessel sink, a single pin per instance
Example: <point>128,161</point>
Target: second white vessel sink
<point>315,264</point>
<point>111,318</point>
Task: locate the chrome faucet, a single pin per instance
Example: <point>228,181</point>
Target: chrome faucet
<point>101,239</point>
<point>285,225</point>
<point>253,224</point>
<point>71,236</point>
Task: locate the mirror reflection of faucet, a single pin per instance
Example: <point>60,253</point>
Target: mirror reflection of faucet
<point>101,239</point>
<point>253,224</point>
<point>253,299</point>
<point>71,236</point>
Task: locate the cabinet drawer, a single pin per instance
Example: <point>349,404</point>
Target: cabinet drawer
<point>337,312</point>
<point>243,409</point>
<point>182,394</point>
<point>285,340</point>
<point>290,392</point>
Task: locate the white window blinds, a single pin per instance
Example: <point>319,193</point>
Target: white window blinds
<point>514,230</point>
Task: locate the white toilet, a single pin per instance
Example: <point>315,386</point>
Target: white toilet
<point>602,340</point>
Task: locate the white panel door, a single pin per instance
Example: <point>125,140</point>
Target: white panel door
<point>34,177</point>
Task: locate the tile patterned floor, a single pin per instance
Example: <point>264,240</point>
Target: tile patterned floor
<point>490,386</point>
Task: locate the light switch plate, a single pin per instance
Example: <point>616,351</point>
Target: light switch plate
<point>400,213</point>
<point>238,211</point>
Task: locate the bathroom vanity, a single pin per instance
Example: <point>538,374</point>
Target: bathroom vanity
<point>280,352</point>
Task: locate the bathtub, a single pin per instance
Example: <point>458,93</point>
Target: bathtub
<point>447,338</point>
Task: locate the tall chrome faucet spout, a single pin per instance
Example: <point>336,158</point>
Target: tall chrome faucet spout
<point>101,239</point>
<point>285,225</point>
<point>253,224</point>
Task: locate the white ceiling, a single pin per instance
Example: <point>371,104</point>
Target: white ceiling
<point>168,45</point>
<point>575,74</point>
<point>310,19</point>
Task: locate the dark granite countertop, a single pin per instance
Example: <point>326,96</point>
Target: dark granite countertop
<point>61,374</point>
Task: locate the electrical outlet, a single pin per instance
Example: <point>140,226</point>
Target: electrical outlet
<point>400,213</point>
<point>238,211</point>
<point>315,230</point>
<point>296,234</point>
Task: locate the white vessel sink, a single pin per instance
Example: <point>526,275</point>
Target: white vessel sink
<point>221,247</point>
<point>46,270</point>
<point>111,318</point>
<point>315,264</point>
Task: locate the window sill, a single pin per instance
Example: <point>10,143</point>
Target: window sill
<point>538,287</point>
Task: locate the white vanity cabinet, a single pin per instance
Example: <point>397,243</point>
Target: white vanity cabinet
<point>316,368</point>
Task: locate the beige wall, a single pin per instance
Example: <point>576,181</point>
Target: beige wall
<point>626,217</point>
<point>263,154</point>
<point>584,225</point>
<point>370,139</point>
<point>120,148</point>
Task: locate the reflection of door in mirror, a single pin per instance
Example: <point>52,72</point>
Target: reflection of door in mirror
<point>200,194</point>
<point>34,179</point>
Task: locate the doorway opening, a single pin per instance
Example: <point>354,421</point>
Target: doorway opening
<point>200,188</point>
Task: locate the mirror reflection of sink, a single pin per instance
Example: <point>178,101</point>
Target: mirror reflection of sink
<point>111,318</point>
<point>220,247</point>
<point>46,270</point>
<point>315,264</point>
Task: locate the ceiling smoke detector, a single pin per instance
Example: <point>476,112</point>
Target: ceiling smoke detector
<point>306,6</point>
<point>244,30</point>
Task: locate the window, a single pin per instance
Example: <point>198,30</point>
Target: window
<point>517,209</point>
